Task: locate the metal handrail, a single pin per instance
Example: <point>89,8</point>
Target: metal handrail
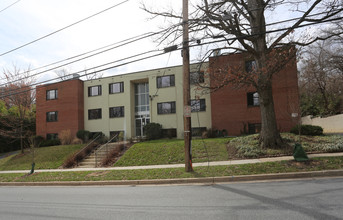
<point>101,147</point>
<point>86,147</point>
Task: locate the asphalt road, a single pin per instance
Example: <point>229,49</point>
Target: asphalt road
<point>300,199</point>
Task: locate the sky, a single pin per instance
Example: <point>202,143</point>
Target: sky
<point>28,20</point>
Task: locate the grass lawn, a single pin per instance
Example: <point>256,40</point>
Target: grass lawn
<point>172,152</point>
<point>316,164</point>
<point>45,158</point>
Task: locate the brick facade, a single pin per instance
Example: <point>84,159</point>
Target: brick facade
<point>69,105</point>
<point>230,109</point>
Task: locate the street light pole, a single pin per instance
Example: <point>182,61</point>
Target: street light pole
<point>186,91</point>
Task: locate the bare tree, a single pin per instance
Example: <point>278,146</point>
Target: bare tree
<point>94,75</point>
<point>19,98</point>
<point>321,79</point>
<point>64,74</point>
<point>242,25</point>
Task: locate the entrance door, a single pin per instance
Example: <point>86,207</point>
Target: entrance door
<point>140,122</point>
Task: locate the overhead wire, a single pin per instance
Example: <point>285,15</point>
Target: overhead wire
<point>9,6</point>
<point>271,31</point>
<point>96,71</point>
<point>61,29</point>
<point>148,35</point>
<point>125,42</point>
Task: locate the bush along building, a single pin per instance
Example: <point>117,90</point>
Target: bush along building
<point>127,102</point>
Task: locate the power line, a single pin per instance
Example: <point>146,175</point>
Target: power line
<point>9,6</point>
<point>59,30</point>
<point>123,43</point>
<point>142,37</point>
<point>97,71</point>
<point>334,19</point>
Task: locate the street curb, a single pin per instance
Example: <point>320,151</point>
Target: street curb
<point>205,180</point>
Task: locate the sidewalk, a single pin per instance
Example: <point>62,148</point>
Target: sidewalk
<point>215,163</point>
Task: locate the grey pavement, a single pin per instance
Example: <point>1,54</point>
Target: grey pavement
<point>301,199</point>
<point>214,163</point>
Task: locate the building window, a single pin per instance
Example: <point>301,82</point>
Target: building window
<point>119,135</point>
<point>52,136</point>
<point>197,77</point>
<point>116,112</point>
<point>250,66</point>
<point>198,131</point>
<point>166,108</point>
<point>254,128</point>
<point>51,94</point>
<point>94,114</point>
<point>198,105</point>
<point>116,87</point>
<point>94,90</point>
<point>253,99</point>
<point>51,116</point>
<point>165,81</point>
<point>169,133</point>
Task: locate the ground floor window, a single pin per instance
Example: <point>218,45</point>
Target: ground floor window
<point>254,128</point>
<point>52,136</point>
<point>169,132</point>
<point>197,132</point>
<point>120,135</point>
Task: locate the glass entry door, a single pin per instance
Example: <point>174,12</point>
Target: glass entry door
<point>140,122</point>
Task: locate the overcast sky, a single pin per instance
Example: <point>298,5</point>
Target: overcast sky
<point>28,20</point>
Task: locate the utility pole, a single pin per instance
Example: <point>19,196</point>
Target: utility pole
<point>186,91</point>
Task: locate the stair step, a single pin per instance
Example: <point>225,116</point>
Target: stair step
<point>102,152</point>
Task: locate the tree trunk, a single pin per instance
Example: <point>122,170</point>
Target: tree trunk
<point>269,136</point>
<point>21,138</point>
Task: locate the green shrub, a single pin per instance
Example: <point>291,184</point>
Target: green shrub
<point>153,131</point>
<point>46,143</point>
<point>83,135</point>
<point>307,130</point>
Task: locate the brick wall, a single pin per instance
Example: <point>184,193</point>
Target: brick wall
<point>230,110</point>
<point>69,106</point>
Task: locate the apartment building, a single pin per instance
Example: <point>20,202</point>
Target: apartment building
<point>237,109</point>
<point>127,102</point>
<point>123,103</point>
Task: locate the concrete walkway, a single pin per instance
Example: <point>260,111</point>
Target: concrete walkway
<point>215,163</point>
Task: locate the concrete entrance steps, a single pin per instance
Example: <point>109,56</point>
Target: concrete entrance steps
<point>97,156</point>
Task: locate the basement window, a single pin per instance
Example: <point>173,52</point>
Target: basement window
<point>53,136</point>
<point>254,128</point>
